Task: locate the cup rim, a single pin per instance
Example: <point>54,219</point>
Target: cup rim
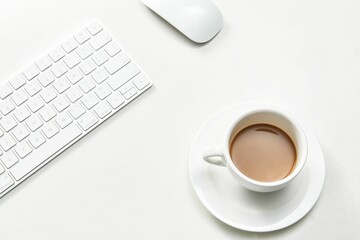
<point>302,138</point>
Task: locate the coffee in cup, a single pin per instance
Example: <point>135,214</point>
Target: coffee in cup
<point>265,149</point>
<point>263,152</point>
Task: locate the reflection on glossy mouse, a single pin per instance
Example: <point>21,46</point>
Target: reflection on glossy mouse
<point>199,20</point>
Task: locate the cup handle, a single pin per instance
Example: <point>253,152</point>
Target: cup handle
<point>215,155</point>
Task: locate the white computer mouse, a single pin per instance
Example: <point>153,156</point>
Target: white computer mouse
<point>199,20</point>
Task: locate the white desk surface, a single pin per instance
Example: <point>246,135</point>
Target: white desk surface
<point>129,178</point>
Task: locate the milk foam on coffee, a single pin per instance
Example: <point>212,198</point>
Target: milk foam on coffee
<point>263,152</point>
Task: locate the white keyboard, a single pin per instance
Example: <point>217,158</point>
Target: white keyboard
<point>60,98</point>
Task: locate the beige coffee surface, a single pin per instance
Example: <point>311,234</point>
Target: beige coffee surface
<point>263,152</point>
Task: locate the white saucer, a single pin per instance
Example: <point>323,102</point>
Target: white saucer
<point>240,208</point>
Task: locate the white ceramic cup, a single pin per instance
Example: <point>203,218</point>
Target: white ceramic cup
<point>220,155</point>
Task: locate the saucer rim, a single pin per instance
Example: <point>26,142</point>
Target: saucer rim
<point>243,227</point>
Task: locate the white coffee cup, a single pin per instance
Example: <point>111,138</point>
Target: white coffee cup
<point>220,155</point>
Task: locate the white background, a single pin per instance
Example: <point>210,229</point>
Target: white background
<point>129,178</point>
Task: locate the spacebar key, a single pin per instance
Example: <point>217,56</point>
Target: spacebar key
<point>47,150</point>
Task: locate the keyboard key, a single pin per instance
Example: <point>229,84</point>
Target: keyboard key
<point>47,113</point>
<point>76,110</point>
<point>90,100</point>
<point>46,78</point>
<point>82,36</point>
<point>129,94</point>
<point>9,159</point>
<point>31,72</point>
<point>99,75</point>
<point>36,139</point>
<point>61,84</point>
<point>5,182</point>
<point>7,142</point>
<point>74,76</point>
<point>74,94</point>
<point>19,97</point>
<point>121,77</point>
<point>32,88</point>
<point>34,122</point>
<point>100,40</point>
<point>116,63</point>
<point>50,130</point>
<point>35,104</point>
<point>87,84</point>
<point>100,58</point>
<point>72,60</point>
<point>21,113</point>
<point>48,95</point>
<point>6,106</point>
<point>59,69</point>
<point>102,91</point>
<point>20,132</point>
<point>23,149</point>
<point>8,123</point>
<point>63,120</point>
<point>56,54</point>
<point>115,100</point>
<point>43,63</point>
<point>140,81</point>
<point>112,48</point>
<point>126,87</point>
<point>69,45</point>
<point>48,149</point>
<point>87,66</point>
<point>1,169</point>
<point>17,82</point>
<point>84,51</point>
<point>5,91</point>
<point>61,103</point>
<point>94,28</point>
<point>102,110</point>
<point>87,120</point>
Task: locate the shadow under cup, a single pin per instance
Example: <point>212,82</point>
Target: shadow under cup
<point>286,124</point>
